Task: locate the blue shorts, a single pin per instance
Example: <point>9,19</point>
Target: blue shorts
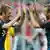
<point>2,39</point>
<point>1,44</point>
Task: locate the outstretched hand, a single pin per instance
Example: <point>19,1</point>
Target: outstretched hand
<point>24,8</point>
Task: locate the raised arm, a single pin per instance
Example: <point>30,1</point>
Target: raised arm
<point>33,21</point>
<point>21,19</point>
<point>13,21</point>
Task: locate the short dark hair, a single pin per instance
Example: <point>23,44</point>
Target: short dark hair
<point>4,9</point>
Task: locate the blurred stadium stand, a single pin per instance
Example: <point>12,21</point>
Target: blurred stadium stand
<point>26,1</point>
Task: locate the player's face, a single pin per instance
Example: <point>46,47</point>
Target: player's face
<point>8,14</point>
<point>49,15</point>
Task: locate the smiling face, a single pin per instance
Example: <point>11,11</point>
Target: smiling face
<point>8,13</point>
<point>48,13</point>
<point>5,12</point>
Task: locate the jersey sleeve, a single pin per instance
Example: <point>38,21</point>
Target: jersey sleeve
<point>1,29</point>
<point>1,23</point>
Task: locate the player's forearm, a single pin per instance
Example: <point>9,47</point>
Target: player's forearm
<point>17,23</point>
<point>11,22</point>
<point>33,21</point>
<point>14,20</point>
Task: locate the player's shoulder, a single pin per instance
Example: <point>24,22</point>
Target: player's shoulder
<point>1,22</point>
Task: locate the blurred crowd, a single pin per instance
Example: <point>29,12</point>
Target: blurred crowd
<point>28,30</point>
